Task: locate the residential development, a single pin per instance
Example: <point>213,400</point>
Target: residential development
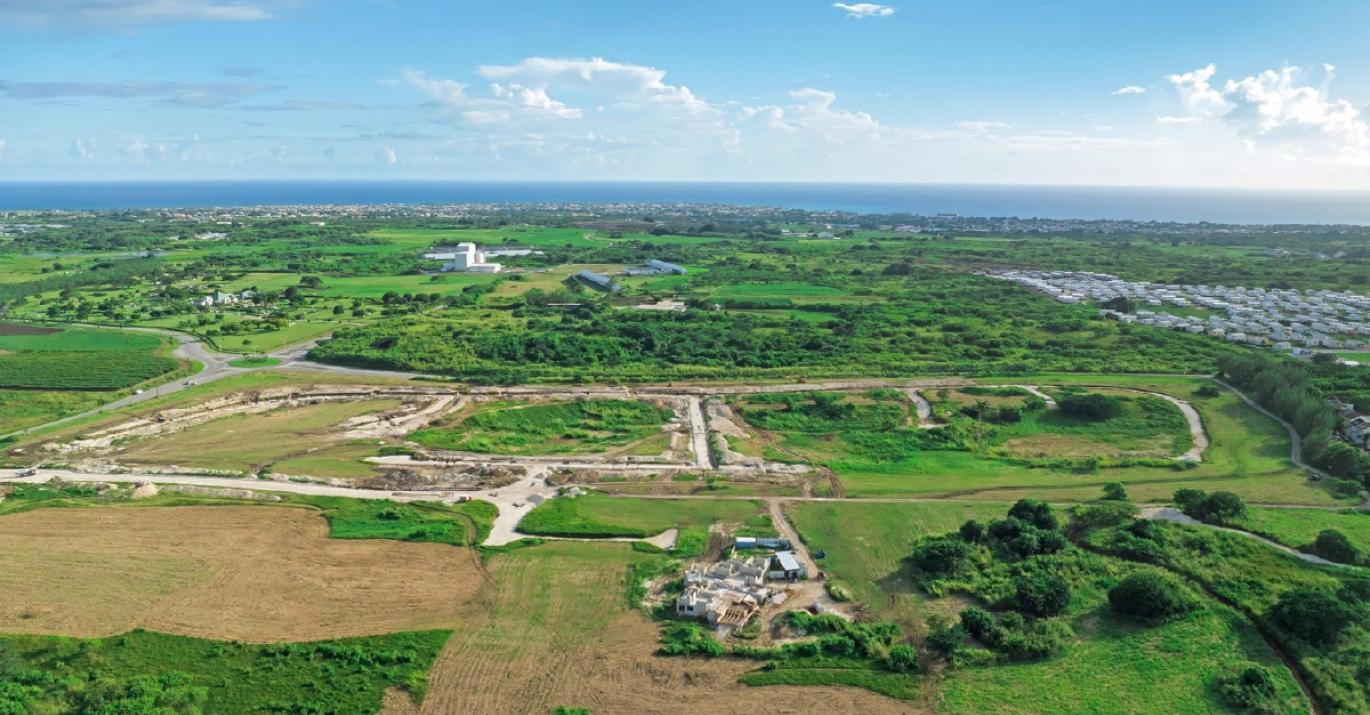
<point>1284,319</point>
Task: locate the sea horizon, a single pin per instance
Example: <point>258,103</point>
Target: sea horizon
<point>1063,202</point>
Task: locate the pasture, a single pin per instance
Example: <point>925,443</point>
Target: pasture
<point>560,427</point>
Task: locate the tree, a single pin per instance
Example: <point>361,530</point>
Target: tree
<point>1334,546</point>
<point>1091,406</point>
<point>973,532</point>
<point>1115,491</point>
<point>941,555</point>
<point>1221,508</point>
<point>1312,614</point>
<point>1150,595</point>
<point>1041,594</point>
<point>1035,512</point>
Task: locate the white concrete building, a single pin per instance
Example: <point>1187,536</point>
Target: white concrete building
<point>464,258</point>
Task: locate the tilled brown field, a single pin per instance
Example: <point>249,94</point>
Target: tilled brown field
<point>559,633</point>
<point>257,574</point>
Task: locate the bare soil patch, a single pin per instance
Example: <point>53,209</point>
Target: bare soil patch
<point>256,574</point>
<point>1048,445</point>
<point>13,329</point>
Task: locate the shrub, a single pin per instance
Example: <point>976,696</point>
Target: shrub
<point>1334,546</point>
<point>838,591</point>
<point>1091,406</point>
<point>1037,513</point>
<point>1115,491</point>
<point>1150,595</point>
<point>1041,594</point>
<point>903,658</point>
<point>1221,508</point>
<point>973,532</point>
<point>981,626</point>
<point>1312,614</point>
<point>941,555</point>
<point>1251,688</point>
<point>688,639</point>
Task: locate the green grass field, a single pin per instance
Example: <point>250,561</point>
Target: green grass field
<point>598,515</point>
<point>1248,455</point>
<point>1298,527</point>
<point>253,362</point>
<point>80,340</point>
<point>20,409</point>
<point>565,427</point>
<point>465,524</point>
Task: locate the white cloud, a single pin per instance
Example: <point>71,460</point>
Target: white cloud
<point>630,85</point>
<point>386,155</point>
<point>863,10</point>
<point>535,99</point>
<point>1198,96</point>
<point>446,91</point>
<point>183,94</point>
<point>983,127</point>
<point>136,149</point>
<point>80,149</point>
<point>1272,107</point>
<point>131,12</point>
<point>1130,89</point>
<point>811,112</point>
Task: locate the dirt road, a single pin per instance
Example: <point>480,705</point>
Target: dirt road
<point>699,435</point>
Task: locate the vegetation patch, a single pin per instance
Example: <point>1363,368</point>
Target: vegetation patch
<point>464,524</point>
<point>597,515</point>
<point>566,427</point>
<point>147,672</point>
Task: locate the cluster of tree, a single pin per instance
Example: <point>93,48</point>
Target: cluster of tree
<point>1218,508</point>
<point>1287,389</point>
<point>1023,625</point>
<point>933,327</point>
<point>1091,406</point>
<point>117,273</point>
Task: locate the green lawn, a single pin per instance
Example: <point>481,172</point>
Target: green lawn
<point>251,362</point>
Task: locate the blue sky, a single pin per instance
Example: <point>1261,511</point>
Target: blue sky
<point>1224,93</point>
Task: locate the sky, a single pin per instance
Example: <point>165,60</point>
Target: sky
<point>1220,93</point>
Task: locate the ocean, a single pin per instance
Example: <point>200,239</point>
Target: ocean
<point>1054,202</point>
